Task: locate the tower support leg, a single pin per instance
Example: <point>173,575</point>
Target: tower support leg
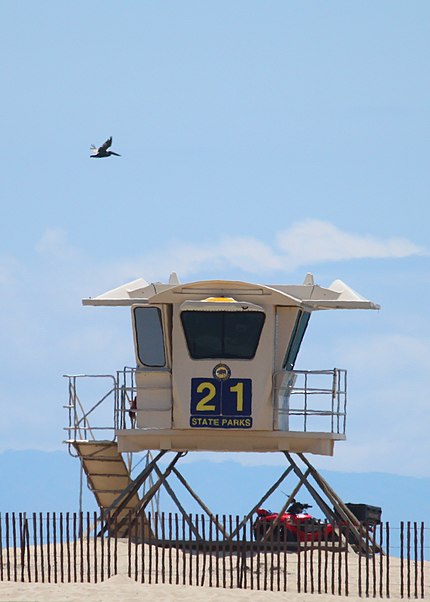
<point>337,512</point>
<point>331,505</point>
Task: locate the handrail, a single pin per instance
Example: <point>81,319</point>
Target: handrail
<point>79,426</point>
<point>302,400</point>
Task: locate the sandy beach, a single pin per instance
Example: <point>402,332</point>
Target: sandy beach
<point>121,589</point>
<point>344,577</point>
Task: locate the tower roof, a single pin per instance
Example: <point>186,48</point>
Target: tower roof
<point>309,296</point>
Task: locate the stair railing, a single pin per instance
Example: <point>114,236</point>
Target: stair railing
<point>79,427</point>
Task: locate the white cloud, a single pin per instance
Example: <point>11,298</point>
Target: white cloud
<point>303,245</point>
<point>316,241</point>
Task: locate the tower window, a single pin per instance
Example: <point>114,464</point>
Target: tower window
<point>296,339</point>
<point>149,336</point>
<point>222,334</point>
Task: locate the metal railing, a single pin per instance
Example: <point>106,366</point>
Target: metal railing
<point>310,400</point>
<point>88,406</point>
<point>79,413</point>
<point>304,400</point>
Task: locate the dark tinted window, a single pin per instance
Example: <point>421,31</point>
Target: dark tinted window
<point>222,334</point>
<point>296,339</point>
<point>149,336</point>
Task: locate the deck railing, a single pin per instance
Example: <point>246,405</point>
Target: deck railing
<point>304,401</point>
<point>311,400</point>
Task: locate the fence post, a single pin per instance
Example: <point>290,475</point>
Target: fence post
<point>177,548</point>
<point>48,545</point>
<point>14,546</point>
<point>42,555</point>
<point>217,550</point>
<point>7,546</point>
<point>285,555</point>
<point>54,542</point>
<point>108,518</point>
<point>305,561</point>
<point>191,555</point>
<point>150,548</point>
<point>102,542</point>
<point>74,547</point>
<point>27,535</point>
<point>299,568</point>
<point>319,555</point>
<point>135,528</point>
<point>230,548</point>
<point>202,580</point>
<point>115,544</point>
<point>374,560</point>
<point>88,548</point>
<point>241,558</point>
<point>1,549</point>
<point>68,547</point>
<point>163,548</point>
<point>142,551</point>
<point>422,558</point>
<point>198,548</point>
<point>415,560</point>
<point>408,558</point>
<point>238,553</point>
<point>129,544</point>
<point>402,589</point>
<point>61,548</point>
<point>170,523</point>
<point>94,545</point>
<point>387,551</point>
<point>311,556</point>
<point>251,555</point>
<point>156,546</point>
<point>22,546</point>
<point>81,544</point>
<point>210,551</point>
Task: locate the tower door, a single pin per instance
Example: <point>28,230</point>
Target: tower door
<point>153,375</point>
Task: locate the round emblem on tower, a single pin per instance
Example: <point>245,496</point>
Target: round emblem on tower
<point>221,372</point>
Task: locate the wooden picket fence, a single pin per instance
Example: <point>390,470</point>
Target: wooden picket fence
<point>196,550</point>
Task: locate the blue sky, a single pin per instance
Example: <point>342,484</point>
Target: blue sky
<point>259,141</point>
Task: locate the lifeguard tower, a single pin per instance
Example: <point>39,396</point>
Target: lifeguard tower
<point>215,372</point>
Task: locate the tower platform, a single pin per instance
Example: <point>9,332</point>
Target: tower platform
<point>133,440</point>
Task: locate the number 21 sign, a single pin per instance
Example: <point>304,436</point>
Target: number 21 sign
<point>221,404</point>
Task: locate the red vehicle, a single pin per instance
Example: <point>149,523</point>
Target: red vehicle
<point>294,525</point>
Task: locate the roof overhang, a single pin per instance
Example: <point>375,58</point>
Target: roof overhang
<point>308,296</point>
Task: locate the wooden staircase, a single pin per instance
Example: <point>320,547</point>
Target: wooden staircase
<point>109,479</point>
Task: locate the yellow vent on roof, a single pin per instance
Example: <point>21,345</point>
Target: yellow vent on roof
<point>220,300</point>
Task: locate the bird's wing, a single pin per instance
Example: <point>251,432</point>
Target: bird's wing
<point>106,144</point>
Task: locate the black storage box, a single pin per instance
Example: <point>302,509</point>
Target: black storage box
<point>365,513</point>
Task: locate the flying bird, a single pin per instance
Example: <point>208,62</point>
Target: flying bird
<point>102,151</point>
